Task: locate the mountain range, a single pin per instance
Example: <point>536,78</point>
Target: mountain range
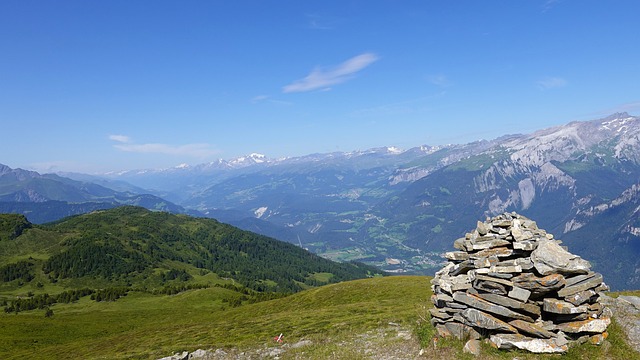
<point>48,197</point>
<point>400,209</point>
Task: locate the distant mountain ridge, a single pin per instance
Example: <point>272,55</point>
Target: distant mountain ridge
<point>400,210</point>
<point>49,197</point>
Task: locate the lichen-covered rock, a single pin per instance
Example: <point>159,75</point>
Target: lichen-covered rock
<point>586,326</point>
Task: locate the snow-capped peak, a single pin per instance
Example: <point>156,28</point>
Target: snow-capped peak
<point>253,158</point>
<point>394,150</point>
<point>259,158</point>
<point>618,122</point>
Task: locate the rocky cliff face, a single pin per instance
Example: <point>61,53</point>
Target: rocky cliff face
<point>567,177</point>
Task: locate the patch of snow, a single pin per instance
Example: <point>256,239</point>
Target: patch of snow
<point>314,229</point>
<point>571,225</point>
<point>260,211</point>
<point>259,158</point>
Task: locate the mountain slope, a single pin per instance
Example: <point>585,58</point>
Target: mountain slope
<point>135,246</point>
<point>554,176</point>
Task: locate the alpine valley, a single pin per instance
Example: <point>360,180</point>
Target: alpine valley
<point>396,209</point>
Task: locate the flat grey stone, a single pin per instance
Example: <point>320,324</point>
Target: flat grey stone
<point>511,303</point>
<point>456,255</point>
<point>519,293</point>
<point>496,280</point>
<point>506,223</point>
<point>500,275</point>
<point>578,278</point>
<point>437,313</point>
<point>532,329</point>
<point>483,320</point>
<point>490,287</point>
<point>556,306</point>
<point>498,252</point>
<point>462,268</point>
<point>486,306</point>
<point>538,346</point>
<point>581,286</point>
<point>525,245</point>
<point>589,326</point>
<point>506,269</point>
<point>549,258</point>
<point>460,244</point>
<point>539,285</point>
<point>489,244</point>
<point>581,297</point>
<point>439,300</point>
<point>450,284</point>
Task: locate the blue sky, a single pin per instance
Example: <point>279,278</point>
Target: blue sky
<point>96,86</point>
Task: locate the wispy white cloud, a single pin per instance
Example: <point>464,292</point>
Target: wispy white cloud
<point>632,107</point>
<point>268,99</point>
<point>439,80</point>
<point>410,106</point>
<point>318,22</point>
<point>124,143</point>
<point>120,138</point>
<point>549,4</point>
<point>551,82</point>
<point>259,98</point>
<point>321,78</point>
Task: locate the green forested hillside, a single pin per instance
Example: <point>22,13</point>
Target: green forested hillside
<point>144,250</point>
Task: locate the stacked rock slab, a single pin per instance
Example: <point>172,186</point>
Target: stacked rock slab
<point>513,283</point>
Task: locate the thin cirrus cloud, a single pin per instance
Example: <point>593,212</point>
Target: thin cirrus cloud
<point>321,78</point>
<point>551,83</point>
<point>124,143</point>
<point>439,80</point>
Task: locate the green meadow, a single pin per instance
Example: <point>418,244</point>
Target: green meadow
<point>145,326</point>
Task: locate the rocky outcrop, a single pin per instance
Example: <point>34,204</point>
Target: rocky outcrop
<point>626,311</point>
<point>513,283</point>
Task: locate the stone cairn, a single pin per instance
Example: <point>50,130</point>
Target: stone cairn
<point>513,283</point>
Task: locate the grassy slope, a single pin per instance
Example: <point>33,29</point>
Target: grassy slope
<point>146,326</point>
<point>149,327</point>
